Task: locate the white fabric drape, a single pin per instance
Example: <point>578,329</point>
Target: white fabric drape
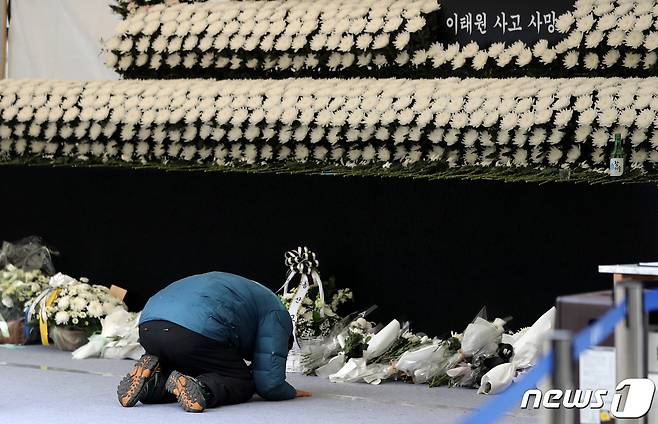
<point>59,39</point>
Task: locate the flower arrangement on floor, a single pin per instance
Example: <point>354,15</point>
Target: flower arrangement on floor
<point>482,356</point>
<point>17,287</point>
<point>373,38</point>
<point>71,304</point>
<point>313,318</point>
<point>317,319</point>
<point>488,128</point>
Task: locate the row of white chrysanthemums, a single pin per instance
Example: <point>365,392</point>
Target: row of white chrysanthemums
<point>191,35</point>
<point>598,34</point>
<point>520,121</point>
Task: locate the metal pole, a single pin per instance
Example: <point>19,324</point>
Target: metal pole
<point>631,336</point>
<point>3,39</point>
<point>560,343</point>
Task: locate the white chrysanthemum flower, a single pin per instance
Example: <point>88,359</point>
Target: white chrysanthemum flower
<point>594,39</point>
<point>451,51</point>
<point>504,59</point>
<point>638,137</point>
<point>111,60</point>
<point>608,117</point>
<point>548,56</point>
<point>627,117</point>
<point>581,133</point>
<point>451,137</point>
<point>564,22</point>
<point>598,156</point>
<point>419,57</point>
<point>616,38</point>
<point>643,22</point>
<point>554,155</point>
<point>470,138</point>
<point>380,41</point>
<point>540,47</point>
<point>95,309</point>
<point>509,121</point>
<point>587,117</point>
<point>524,57</point>
<point>480,60</point>
<point>415,24</point>
<point>634,39</point>
<point>458,61</point>
<point>585,23</point>
<point>611,58</point>
<point>495,49</point>
<point>626,22</point>
<point>591,61</point>
<point>573,154</point>
<point>62,318</point>
<point>631,60</point>
<point>606,22</point>
<point>78,303</point>
<point>570,60</point>
<point>563,117</point>
<point>470,49</point>
<point>651,41</point>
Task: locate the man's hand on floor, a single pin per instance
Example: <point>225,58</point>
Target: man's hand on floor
<point>303,393</point>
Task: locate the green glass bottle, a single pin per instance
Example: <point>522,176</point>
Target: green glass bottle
<point>617,158</point>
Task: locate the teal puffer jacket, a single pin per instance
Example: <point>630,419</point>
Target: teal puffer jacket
<point>229,308</point>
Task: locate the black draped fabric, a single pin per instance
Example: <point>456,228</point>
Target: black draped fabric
<point>433,252</point>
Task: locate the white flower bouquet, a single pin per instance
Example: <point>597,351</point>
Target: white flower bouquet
<point>315,318</point>
<point>74,304</point>
<point>17,287</point>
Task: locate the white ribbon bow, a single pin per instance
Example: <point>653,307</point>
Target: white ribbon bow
<point>303,262</point>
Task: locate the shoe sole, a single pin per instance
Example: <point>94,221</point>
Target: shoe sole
<point>131,386</point>
<point>188,394</point>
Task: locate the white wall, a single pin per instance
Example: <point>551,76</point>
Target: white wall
<point>59,39</point>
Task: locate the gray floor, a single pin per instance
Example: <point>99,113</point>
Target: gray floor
<point>44,385</point>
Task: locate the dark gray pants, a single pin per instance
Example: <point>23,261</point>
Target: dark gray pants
<point>217,365</point>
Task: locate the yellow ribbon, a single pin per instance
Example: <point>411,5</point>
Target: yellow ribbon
<point>43,326</point>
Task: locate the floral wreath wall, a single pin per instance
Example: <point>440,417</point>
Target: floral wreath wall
<point>342,120</point>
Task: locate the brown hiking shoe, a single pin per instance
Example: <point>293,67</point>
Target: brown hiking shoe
<point>188,391</point>
<point>134,384</point>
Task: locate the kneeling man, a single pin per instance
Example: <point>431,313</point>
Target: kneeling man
<point>198,331</point>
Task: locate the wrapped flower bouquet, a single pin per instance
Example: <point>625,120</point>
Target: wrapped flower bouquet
<point>72,309</point>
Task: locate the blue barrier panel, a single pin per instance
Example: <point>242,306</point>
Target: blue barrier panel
<point>651,300</point>
<point>590,336</point>
<point>598,331</point>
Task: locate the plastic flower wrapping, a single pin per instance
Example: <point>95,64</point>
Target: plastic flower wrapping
<point>73,303</point>
<point>483,356</point>
<point>18,286</point>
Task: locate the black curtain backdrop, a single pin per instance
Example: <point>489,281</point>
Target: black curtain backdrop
<point>433,252</point>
